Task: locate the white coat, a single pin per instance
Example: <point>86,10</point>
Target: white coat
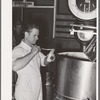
<point>28,86</point>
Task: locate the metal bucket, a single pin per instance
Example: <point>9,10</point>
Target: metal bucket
<point>76,79</point>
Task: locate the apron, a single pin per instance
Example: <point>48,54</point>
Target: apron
<point>29,89</point>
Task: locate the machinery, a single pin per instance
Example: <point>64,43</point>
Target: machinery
<point>76,71</point>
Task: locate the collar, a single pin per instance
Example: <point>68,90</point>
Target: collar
<point>25,46</point>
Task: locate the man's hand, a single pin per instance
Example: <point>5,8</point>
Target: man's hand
<point>35,49</point>
<point>51,56</point>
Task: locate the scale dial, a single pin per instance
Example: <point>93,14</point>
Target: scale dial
<point>83,9</point>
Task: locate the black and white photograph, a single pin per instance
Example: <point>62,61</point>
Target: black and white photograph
<point>52,50</point>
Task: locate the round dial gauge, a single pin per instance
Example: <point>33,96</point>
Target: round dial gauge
<point>83,9</point>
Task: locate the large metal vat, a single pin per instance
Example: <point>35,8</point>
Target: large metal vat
<point>76,78</point>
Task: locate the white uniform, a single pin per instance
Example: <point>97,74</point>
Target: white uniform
<point>28,86</point>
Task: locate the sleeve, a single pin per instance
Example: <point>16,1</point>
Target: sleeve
<point>17,53</point>
<point>42,57</point>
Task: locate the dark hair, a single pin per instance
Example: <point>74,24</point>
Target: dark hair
<point>29,27</point>
<point>18,22</point>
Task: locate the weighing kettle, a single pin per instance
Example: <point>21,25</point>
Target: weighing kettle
<point>75,77</point>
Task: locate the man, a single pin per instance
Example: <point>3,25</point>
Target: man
<point>18,32</point>
<point>27,59</point>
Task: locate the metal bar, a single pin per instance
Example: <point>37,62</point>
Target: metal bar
<point>46,49</point>
<point>54,18</point>
<point>83,31</point>
<point>91,27</point>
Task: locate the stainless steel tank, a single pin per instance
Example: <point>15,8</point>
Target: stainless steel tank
<point>76,77</point>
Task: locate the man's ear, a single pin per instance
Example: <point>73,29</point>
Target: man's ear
<point>26,34</point>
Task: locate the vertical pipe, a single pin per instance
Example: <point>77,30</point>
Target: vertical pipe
<point>22,14</point>
<point>54,18</point>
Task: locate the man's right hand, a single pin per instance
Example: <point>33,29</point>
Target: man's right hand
<point>35,49</point>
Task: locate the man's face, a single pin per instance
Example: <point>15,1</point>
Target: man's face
<point>33,36</point>
<point>18,29</point>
